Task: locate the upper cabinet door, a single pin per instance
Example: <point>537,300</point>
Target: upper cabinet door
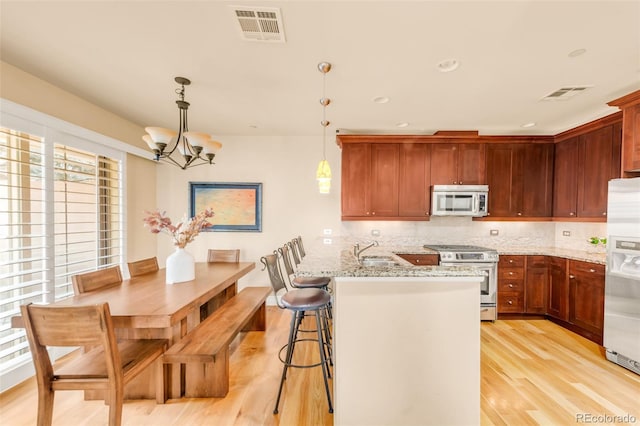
<point>414,191</point>
<point>356,172</point>
<point>472,164</point>
<point>597,155</point>
<point>505,179</point>
<point>384,179</point>
<point>565,181</point>
<point>537,180</point>
<point>458,164</point>
<point>444,164</point>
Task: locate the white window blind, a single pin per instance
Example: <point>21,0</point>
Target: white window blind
<point>60,215</point>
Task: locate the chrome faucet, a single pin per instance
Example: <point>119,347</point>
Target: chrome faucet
<point>357,251</point>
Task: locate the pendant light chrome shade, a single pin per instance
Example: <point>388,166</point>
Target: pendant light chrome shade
<point>323,173</point>
<point>195,148</point>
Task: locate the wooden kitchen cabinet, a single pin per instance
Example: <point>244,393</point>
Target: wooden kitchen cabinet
<point>584,164</point>
<point>369,180</point>
<point>420,259</point>
<point>383,191</point>
<point>586,298</point>
<point>598,162</point>
<point>558,301</point>
<point>520,178</point>
<point>458,164</point>
<point>511,278</point>
<point>565,183</point>
<point>630,106</point>
<point>356,170</point>
<point>536,285</point>
<point>414,191</point>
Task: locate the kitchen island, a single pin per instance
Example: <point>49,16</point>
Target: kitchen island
<point>406,339</point>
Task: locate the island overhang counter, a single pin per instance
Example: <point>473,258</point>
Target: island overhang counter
<point>406,341</point>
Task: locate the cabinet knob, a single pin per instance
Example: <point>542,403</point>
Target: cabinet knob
<point>510,273</point>
<point>510,260</point>
<point>373,213</point>
<point>571,276</point>
<point>519,214</point>
<point>510,285</point>
<point>454,182</point>
<point>417,260</point>
<point>571,214</point>
<point>510,302</point>
<point>604,213</point>
<point>592,270</point>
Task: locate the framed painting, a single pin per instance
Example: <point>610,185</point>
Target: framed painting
<point>236,206</point>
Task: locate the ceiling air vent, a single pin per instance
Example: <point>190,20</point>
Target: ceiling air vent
<point>259,23</point>
<point>565,93</point>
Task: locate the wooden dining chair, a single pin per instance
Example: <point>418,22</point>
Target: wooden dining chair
<point>108,366</point>
<point>144,266</point>
<point>96,280</point>
<point>230,256</point>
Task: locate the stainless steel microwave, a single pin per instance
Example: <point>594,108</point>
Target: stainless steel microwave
<point>459,200</point>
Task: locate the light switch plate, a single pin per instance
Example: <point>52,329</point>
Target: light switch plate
<point>375,232</point>
<point>566,233</point>
<point>494,232</point>
<point>327,231</point>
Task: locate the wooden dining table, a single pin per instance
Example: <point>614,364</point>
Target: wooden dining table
<point>145,307</point>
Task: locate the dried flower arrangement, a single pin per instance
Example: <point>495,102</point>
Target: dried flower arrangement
<point>182,233</point>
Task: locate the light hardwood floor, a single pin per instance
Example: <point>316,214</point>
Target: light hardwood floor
<point>533,372</point>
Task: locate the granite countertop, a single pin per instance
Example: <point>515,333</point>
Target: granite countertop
<point>337,260</point>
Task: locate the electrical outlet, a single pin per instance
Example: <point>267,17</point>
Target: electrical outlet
<point>494,232</point>
<point>566,233</point>
<point>327,241</point>
<point>375,232</point>
<point>327,231</point>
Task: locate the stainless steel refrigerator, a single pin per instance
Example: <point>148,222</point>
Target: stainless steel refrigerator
<point>622,284</point>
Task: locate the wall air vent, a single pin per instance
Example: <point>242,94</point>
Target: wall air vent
<point>259,23</point>
<point>565,93</point>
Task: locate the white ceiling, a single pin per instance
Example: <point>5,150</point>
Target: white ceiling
<point>124,55</point>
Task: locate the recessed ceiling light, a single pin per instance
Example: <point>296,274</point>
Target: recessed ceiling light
<point>402,124</point>
<point>448,65</point>
<point>381,99</point>
<point>531,124</point>
<point>576,52</point>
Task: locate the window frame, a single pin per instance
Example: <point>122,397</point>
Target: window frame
<point>23,119</point>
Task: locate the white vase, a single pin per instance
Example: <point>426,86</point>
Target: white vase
<point>181,267</point>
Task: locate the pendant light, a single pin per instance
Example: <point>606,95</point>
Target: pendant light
<point>192,146</point>
<point>323,174</point>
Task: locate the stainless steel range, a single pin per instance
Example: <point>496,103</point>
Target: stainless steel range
<point>478,257</point>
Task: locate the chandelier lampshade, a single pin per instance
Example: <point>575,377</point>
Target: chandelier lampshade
<point>196,148</point>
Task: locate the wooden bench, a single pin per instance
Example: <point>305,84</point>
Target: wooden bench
<point>205,349</point>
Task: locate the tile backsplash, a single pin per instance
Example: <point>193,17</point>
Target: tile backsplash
<point>461,230</point>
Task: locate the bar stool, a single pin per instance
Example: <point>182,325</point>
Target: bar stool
<point>299,301</point>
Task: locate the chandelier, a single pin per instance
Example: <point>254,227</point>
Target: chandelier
<point>323,173</point>
<point>192,146</point>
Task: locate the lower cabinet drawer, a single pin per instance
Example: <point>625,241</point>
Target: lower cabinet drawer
<point>510,302</point>
<point>507,286</point>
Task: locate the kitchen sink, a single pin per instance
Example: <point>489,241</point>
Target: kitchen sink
<point>378,261</point>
